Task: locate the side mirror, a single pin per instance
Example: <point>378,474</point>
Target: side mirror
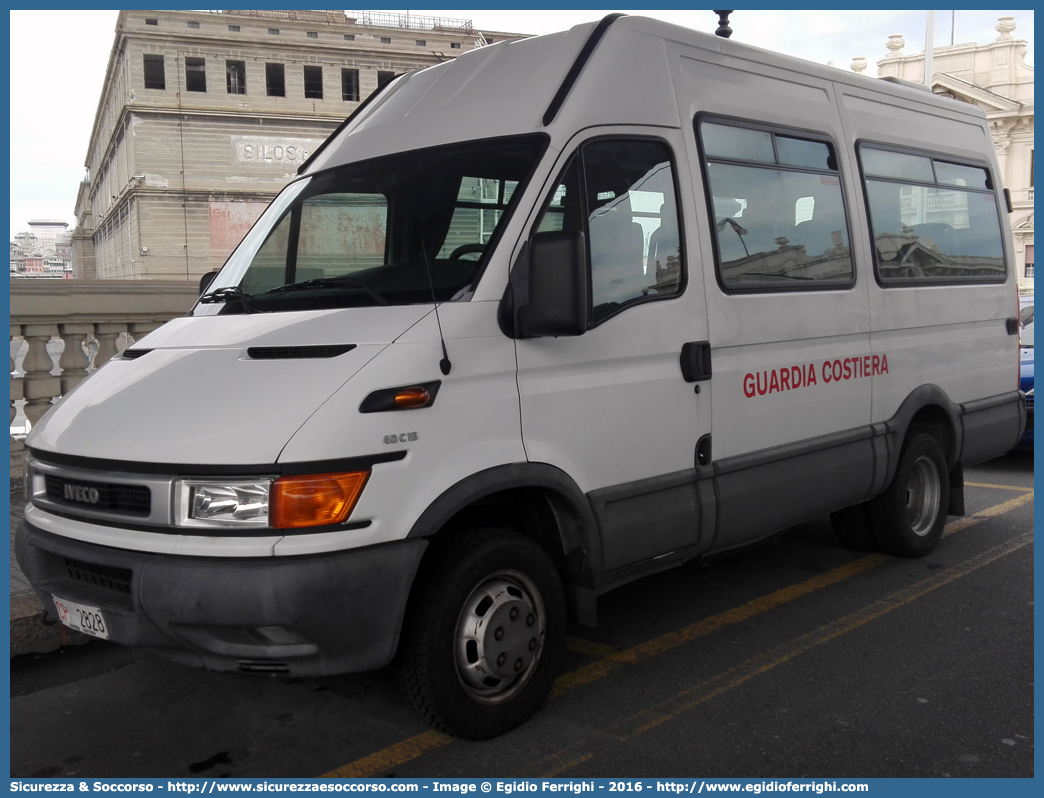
<point>559,303</point>
<point>205,281</point>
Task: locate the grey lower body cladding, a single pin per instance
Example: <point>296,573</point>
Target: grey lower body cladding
<point>652,524</point>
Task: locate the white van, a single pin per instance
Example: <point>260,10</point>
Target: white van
<point>535,322</point>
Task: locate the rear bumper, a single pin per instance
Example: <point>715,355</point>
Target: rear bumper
<point>306,616</point>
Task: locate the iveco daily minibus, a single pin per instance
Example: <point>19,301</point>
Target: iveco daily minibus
<point>535,322</point>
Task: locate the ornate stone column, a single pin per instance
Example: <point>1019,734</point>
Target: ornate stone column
<point>39,385</point>
<point>106,335</point>
<point>74,360</point>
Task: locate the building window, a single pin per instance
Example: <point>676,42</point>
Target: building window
<point>151,21</point>
<point>275,85</point>
<point>349,37</point>
<point>194,25</point>
<point>313,34</point>
<point>386,40</point>
<point>273,31</point>
<point>350,85</point>
<point>154,72</point>
<point>195,74</point>
<point>313,80</point>
<point>384,77</point>
<point>421,43</point>
<point>454,45</point>
<point>233,29</point>
<point>1029,260</point>
<point>235,77</point>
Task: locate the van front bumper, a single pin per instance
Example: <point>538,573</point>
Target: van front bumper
<point>304,616</point>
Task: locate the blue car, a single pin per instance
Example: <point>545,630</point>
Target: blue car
<point>1026,367</point>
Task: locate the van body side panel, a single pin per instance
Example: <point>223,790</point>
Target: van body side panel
<point>756,336</point>
<point>472,426</point>
<point>950,336</point>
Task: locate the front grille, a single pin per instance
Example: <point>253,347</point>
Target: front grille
<point>133,500</point>
<point>117,580</point>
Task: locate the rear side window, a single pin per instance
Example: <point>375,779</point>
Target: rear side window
<point>777,209</point>
<point>621,194</point>
<point>933,221</point>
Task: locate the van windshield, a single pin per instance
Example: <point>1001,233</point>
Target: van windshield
<point>394,230</point>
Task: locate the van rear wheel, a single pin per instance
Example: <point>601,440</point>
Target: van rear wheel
<point>485,634</point>
<point>908,518</point>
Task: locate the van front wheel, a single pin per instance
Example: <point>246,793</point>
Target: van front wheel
<point>485,634</point>
<point>909,516</point>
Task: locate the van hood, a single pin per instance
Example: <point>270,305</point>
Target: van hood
<point>228,390</point>
<point>372,325</point>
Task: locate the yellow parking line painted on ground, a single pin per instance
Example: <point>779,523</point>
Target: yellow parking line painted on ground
<point>572,763</point>
<point>998,487</point>
<point>391,756</point>
<point>989,512</point>
<point>658,645</point>
<point>588,647</point>
<point>416,746</point>
<point>648,719</point>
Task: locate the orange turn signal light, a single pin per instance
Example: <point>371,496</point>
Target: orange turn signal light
<point>314,500</point>
<point>412,397</point>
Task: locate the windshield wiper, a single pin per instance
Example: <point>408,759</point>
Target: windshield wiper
<point>330,282</point>
<point>227,293</point>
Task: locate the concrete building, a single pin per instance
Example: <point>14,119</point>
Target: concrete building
<point>205,116</point>
<point>995,77</point>
<point>42,251</point>
<point>50,233</point>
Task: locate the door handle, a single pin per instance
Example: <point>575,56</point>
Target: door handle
<point>696,361</point>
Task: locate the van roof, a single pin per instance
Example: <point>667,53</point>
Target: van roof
<point>506,88</point>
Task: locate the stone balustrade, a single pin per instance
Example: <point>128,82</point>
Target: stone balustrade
<point>91,318</point>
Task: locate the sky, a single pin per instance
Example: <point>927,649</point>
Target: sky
<point>50,130</point>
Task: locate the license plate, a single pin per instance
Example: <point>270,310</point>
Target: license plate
<point>81,618</point>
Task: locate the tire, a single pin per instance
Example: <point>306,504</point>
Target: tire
<point>484,635</point>
<point>908,518</point>
<point>854,529</point>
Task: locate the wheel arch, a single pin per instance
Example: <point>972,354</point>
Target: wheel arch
<point>538,500</point>
<point>928,408</point>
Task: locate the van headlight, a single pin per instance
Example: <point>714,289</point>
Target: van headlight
<point>228,503</point>
<point>285,503</point>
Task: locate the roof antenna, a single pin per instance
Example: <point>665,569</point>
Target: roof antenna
<point>724,31</point>
<point>444,364</point>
